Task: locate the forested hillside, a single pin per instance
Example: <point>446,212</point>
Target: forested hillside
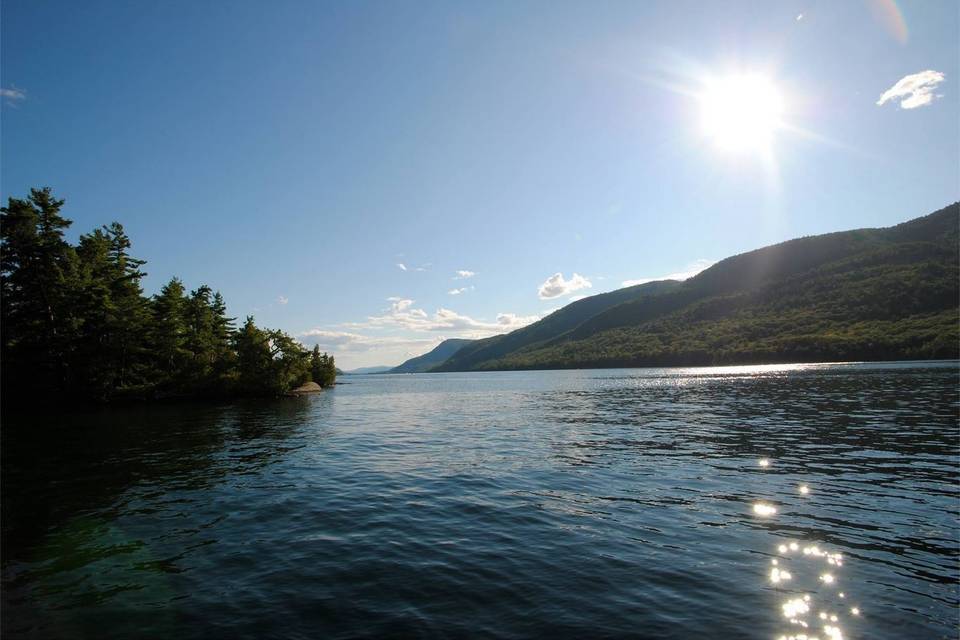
<point>76,324</point>
<point>432,358</point>
<point>557,323</point>
<point>868,294</point>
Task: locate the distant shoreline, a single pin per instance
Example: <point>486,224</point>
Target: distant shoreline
<point>687,366</point>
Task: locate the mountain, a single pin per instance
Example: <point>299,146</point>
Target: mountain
<point>365,370</point>
<point>866,294</point>
<point>437,356</point>
<point>555,324</point>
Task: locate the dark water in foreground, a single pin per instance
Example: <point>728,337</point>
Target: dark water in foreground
<point>615,503</point>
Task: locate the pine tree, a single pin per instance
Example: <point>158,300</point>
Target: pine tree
<point>129,314</point>
<point>323,371</point>
<point>224,357</point>
<point>92,361</point>
<point>169,334</point>
<point>75,319</point>
<point>253,356</point>
<point>38,274</point>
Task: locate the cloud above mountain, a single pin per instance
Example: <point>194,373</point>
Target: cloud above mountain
<point>556,286</point>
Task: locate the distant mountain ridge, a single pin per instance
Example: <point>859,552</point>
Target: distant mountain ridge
<point>557,323</point>
<point>431,359</point>
<point>366,370</point>
<point>866,294</point>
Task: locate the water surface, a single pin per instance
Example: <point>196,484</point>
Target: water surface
<point>646,503</point>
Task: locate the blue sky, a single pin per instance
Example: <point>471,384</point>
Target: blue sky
<point>293,154</point>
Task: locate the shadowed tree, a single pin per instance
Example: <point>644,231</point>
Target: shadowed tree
<point>75,320</point>
<point>37,276</point>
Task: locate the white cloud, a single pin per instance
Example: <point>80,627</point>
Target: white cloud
<point>692,269</point>
<point>463,274</point>
<point>402,266</point>
<point>456,292</point>
<point>13,95</point>
<point>402,316</point>
<point>399,304</point>
<point>347,341</point>
<point>355,346</point>
<point>578,297</point>
<point>282,300</point>
<point>915,90</point>
<point>556,286</point>
<point>512,321</point>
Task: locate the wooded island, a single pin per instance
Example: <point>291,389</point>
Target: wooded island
<point>76,323</point>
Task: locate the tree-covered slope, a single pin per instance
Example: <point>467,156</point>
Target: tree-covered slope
<point>556,324</point>
<point>75,323</point>
<point>432,358</point>
<point>867,294</point>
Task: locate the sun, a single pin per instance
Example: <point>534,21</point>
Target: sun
<point>741,113</point>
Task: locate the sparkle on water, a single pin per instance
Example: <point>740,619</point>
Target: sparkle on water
<point>516,504</point>
<point>795,609</point>
<point>764,509</point>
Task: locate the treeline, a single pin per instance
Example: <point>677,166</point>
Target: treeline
<point>894,303</point>
<point>867,294</point>
<point>76,323</point>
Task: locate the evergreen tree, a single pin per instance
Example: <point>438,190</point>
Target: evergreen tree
<point>38,274</point>
<point>169,334</point>
<point>92,361</point>
<point>253,356</point>
<point>74,319</point>
<point>129,314</point>
<point>224,357</point>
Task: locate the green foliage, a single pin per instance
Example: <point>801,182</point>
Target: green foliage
<point>869,294</point>
<point>323,371</point>
<point>269,362</point>
<point>75,322</point>
<point>39,274</point>
<point>438,355</point>
<point>557,323</point>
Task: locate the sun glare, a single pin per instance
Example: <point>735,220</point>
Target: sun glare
<point>741,112</point>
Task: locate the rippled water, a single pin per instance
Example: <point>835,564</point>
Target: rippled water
<point>619,503</point>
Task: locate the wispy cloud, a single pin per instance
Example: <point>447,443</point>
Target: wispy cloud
<point>370,341</point>
<point>915,90</point>
<point>336,341</point>
<point>457,292</point>
<point>403,316</point>
<point>406,267</point>
<point>12,95</point>
<point>398,304</point>
<point>556,286</point>
<point>282,300</point>
<point>691,270</point>
<point>463,274</point>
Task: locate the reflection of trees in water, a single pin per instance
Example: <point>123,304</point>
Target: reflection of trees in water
<point>80,491</point>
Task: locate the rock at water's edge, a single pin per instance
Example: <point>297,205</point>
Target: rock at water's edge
<point>305,388</point>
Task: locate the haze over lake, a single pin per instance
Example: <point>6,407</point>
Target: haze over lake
<point>617,503</point>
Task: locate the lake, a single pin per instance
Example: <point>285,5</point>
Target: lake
<point>739,502</point>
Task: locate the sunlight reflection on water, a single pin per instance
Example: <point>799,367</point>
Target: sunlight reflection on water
<point>799,609</point>
<point>516,504</point>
